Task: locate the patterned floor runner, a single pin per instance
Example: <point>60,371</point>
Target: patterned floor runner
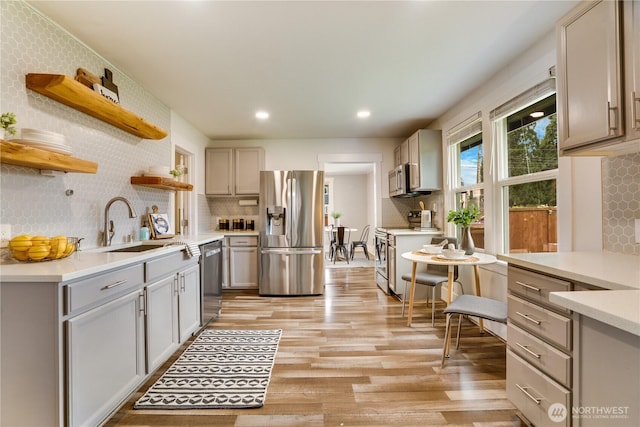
<point>220,369</point>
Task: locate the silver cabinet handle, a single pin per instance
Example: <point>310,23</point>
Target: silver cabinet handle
<point>529,395</point>
<point>113,285</point>
<point>526,317</point>
<point>635,100</point>
<point>143,305</point>
<point>525,348</point>
<point>533,288</point>
<point>613,110</point>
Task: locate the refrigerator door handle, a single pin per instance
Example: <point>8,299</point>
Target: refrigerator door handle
<point>290,252</point>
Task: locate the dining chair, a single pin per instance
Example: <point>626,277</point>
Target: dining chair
<point>331,237</point>
<point>361,243</point>
<point>341,244</point>
<point>435,275</point>
<point>471,305</point>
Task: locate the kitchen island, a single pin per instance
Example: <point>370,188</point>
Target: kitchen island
<point>80,334</point>
<point>601,305</point>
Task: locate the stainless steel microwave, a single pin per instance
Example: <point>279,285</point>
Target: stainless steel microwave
<point>398,181</point>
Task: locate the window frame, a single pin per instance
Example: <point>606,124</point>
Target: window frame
<point>500,175</point>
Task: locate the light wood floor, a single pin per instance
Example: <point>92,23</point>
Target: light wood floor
<point>347,358</point>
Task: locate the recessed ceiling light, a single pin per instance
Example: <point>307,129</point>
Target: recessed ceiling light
<point>537,114</point>
<point>363,114</point>
<point>262,115</point>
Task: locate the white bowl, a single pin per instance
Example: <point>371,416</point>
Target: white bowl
<point>158,171</point>
<point>432,249</point>
<point>453,253</point>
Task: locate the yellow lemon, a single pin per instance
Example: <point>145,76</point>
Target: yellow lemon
<point>20,243</point>
<point>58,246</point>
<point>38,252</point>
<point>20,255</point>
<point>40,241</point>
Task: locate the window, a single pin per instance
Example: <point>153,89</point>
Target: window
<point>467,171</point>
<point>527,168</point>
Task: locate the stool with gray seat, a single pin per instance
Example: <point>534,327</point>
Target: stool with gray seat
<point>471,305</point>
<point>434,276</point>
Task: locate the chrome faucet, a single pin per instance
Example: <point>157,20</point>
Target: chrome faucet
<point>109,229</point>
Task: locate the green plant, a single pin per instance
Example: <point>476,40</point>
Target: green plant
<point>175,172</point>
<point>336,215</point>
<point>8,120</point>
<point>464,216</point>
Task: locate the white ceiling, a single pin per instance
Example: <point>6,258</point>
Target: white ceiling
<point>312,65</point>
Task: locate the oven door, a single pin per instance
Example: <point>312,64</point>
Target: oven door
<point>397,182</point>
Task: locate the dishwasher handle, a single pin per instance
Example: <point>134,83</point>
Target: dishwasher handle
<point>290,252</point>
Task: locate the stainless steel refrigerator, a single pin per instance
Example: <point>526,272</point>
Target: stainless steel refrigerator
<point>291,230</point>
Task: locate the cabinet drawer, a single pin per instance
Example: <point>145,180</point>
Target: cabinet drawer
<point>536,287</point>
<point>532,392</point>
<point>242,241</point>
<point>546,324</point>
<point>87,292</point>
<point>160,268</point>
<point>548,359</point>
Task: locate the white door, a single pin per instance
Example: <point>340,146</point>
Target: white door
<point>189,301</point>
<point>162,321</point>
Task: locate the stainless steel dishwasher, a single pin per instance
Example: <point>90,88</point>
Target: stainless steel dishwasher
<point>210,281</point>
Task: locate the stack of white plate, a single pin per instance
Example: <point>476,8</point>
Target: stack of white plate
<point>43,139</point>
<point>158,171</point>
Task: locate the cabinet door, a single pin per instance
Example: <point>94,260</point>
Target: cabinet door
<point>189,301</point>
<point>414,161</point>
<point>105,358</point>
<point>249,163</point>
<point>632,70</point>
<point>161,331</point>
<point>218,171</point>
<point>590,105</point>
<point>225,267</point>
<point>243,267</point>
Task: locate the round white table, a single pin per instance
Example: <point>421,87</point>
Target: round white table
<point>418,256</point>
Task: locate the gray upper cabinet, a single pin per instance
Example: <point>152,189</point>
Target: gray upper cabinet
<point>425,160</point>
<point>597,107</point>
<point>233,171</point>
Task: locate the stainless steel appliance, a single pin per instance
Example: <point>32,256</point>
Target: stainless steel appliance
<point>421,220</point>
<point>399,181</point>
<point>381,243</point>
<point>290,223</point>
<point>210,281</point>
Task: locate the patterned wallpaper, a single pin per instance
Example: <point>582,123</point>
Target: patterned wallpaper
<point>37,204</point>
<point>620,202</point>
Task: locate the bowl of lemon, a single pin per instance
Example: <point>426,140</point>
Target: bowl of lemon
<point>28,248</point>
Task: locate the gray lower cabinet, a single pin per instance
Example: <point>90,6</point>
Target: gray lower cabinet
<point>161,321</point>
<point>539,348</point>
<point>105,357</point>
<point>79,348</point>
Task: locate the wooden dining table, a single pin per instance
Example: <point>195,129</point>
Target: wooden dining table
<point>419,257</point>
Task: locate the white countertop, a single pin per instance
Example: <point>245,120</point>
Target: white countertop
<point>605,270</point>
<point>617,305</point>
<point>620,309</point>
<point>410,232</point>
<point>92,261</point>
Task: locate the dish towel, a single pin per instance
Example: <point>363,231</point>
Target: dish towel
<point>191,247</point>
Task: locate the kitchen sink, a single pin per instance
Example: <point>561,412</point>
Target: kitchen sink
<point>138,248</point>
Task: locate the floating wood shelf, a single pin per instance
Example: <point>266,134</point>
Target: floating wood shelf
<point>162,183</point>
<point>66,90</point>
<point>31,157</point>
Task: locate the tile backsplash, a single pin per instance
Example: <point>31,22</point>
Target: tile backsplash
<point>37,204</point>
<point>620,202</point>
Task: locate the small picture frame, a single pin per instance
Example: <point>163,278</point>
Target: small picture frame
<point>160,226</point>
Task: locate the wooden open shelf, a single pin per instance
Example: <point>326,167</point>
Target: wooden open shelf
<point>66,90</point>
<point>31,157</point>
<point>162,183</point>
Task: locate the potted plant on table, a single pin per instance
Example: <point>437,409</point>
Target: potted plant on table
<point>336,218</point>
<point>464,217</point>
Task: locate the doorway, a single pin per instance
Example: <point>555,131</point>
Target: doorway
<point>184,200</point>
